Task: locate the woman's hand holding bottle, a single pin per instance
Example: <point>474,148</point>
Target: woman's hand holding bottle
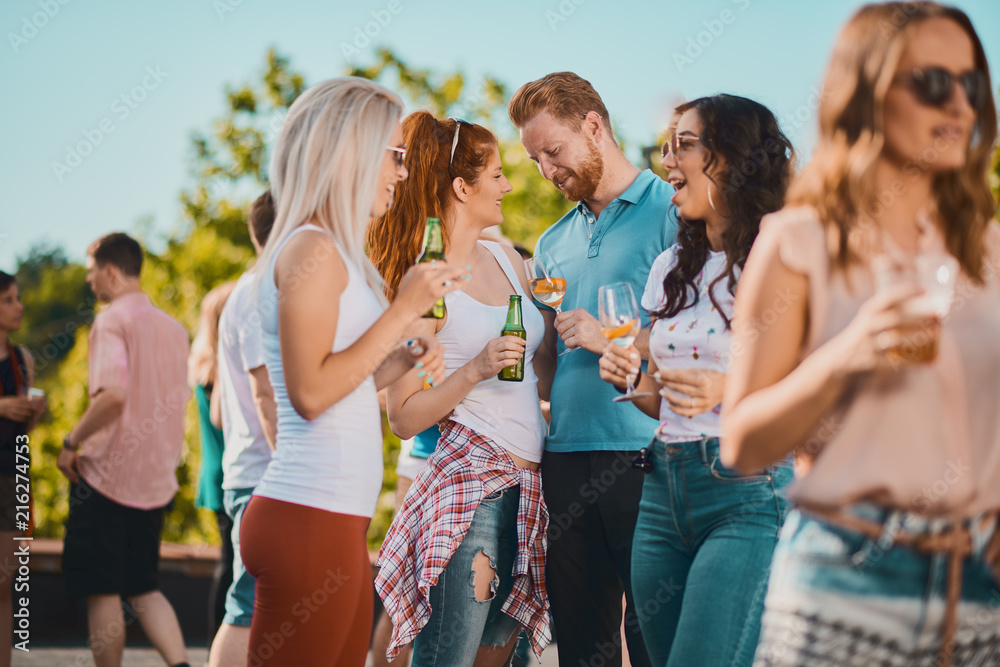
<point>423,284</point>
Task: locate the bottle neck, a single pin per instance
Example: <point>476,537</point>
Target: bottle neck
<point>514,314</point>
<point>433,241</point>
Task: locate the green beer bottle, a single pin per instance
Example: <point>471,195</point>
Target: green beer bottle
<point>513,327</point>
<point>433,249</point>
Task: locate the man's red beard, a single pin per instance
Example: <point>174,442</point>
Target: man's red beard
<point>585,179</point>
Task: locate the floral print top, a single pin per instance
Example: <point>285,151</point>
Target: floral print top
<point>696,337</point>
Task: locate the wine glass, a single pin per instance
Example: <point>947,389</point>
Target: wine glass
<point>619,316</point>
<point>547,283</point>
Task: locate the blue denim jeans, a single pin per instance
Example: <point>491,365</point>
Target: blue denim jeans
<point>837,597</point>
<point>459,623</point>
<point>702,554</point>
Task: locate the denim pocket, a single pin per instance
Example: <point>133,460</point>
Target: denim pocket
<point>724,474</point>
<point>821,543</point>
<point>493,497</point>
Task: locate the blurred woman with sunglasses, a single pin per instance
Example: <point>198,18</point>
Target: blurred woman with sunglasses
<point>703,528</point>
<point>890,401</point>
<point>462,568</point>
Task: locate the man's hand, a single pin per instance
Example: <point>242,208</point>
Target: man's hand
<point>578,328</point>
<point>67,463</point>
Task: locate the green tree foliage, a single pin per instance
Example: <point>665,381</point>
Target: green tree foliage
<point>228,166</point>
<point>58,303</point>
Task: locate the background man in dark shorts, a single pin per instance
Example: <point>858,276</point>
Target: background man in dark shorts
<point>122,455</point>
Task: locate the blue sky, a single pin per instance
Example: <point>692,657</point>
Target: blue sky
<point>64,69</point>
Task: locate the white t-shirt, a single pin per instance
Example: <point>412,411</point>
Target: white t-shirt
<point>246,453</point>
<point>333,462</point>
<point>696,337</point>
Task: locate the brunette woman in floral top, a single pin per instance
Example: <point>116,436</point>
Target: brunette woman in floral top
<point>702,528</point>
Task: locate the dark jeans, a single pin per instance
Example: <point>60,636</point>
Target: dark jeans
<point>593,503</point>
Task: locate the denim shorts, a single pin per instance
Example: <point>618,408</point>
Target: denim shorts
<point>459,623</point>
<point>240,598</point>
<point>837,597</point>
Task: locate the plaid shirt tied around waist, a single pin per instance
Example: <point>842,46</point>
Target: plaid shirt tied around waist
<point>433,521</point>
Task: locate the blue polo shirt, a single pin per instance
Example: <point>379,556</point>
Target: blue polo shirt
<point>617,246</point>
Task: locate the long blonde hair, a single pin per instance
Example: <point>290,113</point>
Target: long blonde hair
<point>203,362</point>
<point>839,180</point>
<point>326,165</point>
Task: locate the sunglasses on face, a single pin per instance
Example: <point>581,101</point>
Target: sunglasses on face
<point>454,142</point>
<point>680,145</point>
<point>933,86</point>
<point>398,154</point>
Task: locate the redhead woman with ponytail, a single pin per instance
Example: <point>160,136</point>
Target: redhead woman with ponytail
<point>462,568</point>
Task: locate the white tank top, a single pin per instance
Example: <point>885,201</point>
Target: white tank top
<point>505,412</point>
<point>333,462</point>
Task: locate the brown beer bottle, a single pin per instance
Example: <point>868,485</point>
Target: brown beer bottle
<point>513,327</point>
<point>433,249</point>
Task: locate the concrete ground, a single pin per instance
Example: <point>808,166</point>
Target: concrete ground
<point>147,657</point>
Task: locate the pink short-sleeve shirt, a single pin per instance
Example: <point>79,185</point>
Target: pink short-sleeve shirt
<point>136,346</point>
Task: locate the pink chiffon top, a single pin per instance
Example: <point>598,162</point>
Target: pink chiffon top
<point>925,437</point>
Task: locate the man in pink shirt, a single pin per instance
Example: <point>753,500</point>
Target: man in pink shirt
<point>122,455</point>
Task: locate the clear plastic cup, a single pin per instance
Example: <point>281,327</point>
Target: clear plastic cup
<point>935,274</point>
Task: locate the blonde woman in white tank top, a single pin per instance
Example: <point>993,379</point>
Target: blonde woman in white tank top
<point>477,506</point>
<point>329,343</point>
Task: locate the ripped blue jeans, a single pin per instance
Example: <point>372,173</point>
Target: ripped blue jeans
<point>459,623</point>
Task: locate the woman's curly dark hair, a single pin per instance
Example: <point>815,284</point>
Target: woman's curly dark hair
<point>759,161</point>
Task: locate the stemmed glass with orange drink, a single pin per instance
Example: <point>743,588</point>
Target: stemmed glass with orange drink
<point>620,324</point>
<point>547,283</point>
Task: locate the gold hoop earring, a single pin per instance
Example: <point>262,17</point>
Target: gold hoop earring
<point>710,202</point>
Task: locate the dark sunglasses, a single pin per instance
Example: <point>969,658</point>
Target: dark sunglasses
<point>644,461</point>
<point>454,142</point>
<point>933,86</point>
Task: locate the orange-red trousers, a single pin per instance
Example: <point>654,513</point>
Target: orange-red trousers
<point>314,595</point>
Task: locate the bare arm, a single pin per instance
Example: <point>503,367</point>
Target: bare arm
<point>617,363</point>
<point>422,352</point>
<point>412,408</point>
<point>215,407</point>
<point>772,402</point>
<point>263,399</point>
<point>545,360</point>
<point>641,344</point>
<point>104,409</point>
<point>316,377</point>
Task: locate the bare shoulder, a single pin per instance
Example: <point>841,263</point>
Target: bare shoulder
<point>311,255</point>
<point>775,272</point>
<point>515,259</point>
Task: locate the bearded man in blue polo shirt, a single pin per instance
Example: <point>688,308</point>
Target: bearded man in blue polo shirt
<point>623,220</point>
